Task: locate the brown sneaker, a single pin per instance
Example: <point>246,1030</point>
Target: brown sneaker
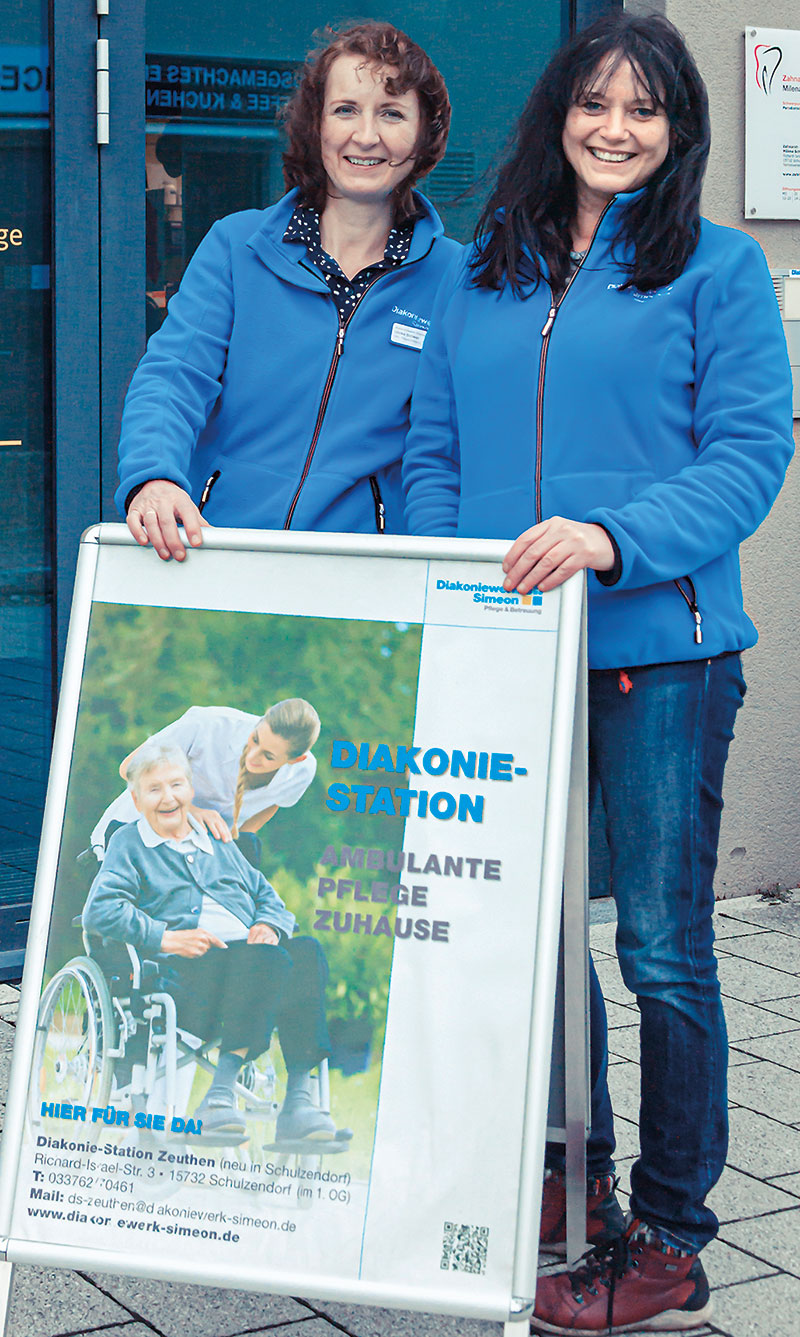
<point>637,1284</point>
<point>604,1218</point>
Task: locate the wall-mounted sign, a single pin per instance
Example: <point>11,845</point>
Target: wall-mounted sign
<point>217,87</point>
<point>772,123</point>
<point>24,80</point>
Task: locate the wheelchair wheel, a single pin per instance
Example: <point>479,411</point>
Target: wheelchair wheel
<point>74,1035</point>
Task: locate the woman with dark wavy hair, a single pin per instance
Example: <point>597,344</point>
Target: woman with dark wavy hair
<point>607,377</point>
<point>282,376</point>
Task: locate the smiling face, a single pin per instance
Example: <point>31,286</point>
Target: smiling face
<point>615,136</point>
<point>266,751</point>
<point>367,135</point>
<point>163,795</point>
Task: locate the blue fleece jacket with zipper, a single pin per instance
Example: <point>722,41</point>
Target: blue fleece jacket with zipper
<point>249,375</point>
<point>664,416</point>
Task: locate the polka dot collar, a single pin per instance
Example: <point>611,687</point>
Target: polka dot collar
<point>304,229</point>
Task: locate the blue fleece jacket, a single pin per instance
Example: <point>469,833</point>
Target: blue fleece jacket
<point>665,416</point>
<point>244,377</point>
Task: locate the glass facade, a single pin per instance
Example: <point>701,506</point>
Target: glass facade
<point>216,77</point>
<point>25,457</point>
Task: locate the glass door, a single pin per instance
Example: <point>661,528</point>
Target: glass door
<point>26,473</point>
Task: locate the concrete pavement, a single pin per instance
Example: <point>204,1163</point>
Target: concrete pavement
<point>754,1265</point>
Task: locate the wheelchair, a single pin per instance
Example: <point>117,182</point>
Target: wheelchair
<point>108,1033</point>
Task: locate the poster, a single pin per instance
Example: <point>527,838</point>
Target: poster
<point>772,123</point>
<point>409,854</point>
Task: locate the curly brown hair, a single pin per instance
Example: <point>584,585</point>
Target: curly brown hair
<point>379,44</point>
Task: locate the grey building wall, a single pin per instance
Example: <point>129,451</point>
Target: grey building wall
<point>760,840</point>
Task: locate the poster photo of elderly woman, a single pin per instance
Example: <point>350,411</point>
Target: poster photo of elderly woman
<point>185,906</point>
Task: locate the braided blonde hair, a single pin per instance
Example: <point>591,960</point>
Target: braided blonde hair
<point>298,723</point>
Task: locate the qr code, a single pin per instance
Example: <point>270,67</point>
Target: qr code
<point>464,1248</point>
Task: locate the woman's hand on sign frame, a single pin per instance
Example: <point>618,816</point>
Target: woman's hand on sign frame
<point>547,554</point>
<point>155,513</point>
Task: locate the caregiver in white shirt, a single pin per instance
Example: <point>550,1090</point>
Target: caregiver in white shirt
<point>244,766</point>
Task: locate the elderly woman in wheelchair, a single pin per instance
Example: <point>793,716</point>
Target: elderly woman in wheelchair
<point>221,940</point>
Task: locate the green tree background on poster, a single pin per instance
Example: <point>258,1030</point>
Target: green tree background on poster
<point>145,666</point>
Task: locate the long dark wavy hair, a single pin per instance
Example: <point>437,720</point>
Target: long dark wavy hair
<point>378,44</point>
<point>534,202</point>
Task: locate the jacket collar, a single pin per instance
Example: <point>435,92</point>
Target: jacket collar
<point>610,222</point>
<point>608,227</point>
<point>287,261</point>
<point>197,835</point>
<point>616,210</point>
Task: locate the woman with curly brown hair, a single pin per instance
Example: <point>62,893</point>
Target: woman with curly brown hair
<point>285,366</point>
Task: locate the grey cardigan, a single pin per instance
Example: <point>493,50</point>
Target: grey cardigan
<point>139,892</point>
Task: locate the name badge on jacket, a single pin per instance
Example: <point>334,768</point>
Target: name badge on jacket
<point>407,335</point>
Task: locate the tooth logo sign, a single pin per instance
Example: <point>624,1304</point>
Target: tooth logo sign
<point>768,58</point>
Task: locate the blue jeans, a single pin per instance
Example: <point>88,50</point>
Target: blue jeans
<point>657,754</point>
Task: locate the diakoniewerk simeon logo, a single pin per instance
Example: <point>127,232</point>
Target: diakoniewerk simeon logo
<point>481,593</point>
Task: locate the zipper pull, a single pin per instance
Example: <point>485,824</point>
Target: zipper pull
<point>698,631</point>
<point>340,340</point>
<point>206,493</point>
<point>551,315</point>
<point>380,509</point>
<point>691,604</point>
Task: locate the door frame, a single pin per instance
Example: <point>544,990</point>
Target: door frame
<point>98,270</point>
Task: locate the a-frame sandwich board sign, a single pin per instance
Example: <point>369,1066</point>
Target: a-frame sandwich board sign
<point>419,842</point>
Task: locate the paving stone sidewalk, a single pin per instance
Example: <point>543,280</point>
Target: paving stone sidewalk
<point>754,1265</point>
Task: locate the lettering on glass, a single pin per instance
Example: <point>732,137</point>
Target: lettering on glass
<point>217,87</point>
<point>10,236</point>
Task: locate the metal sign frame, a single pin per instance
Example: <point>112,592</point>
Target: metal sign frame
<point>564,831</point>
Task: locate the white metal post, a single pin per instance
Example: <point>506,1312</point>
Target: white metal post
<point>560,780</point>
<point>576,969</point>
